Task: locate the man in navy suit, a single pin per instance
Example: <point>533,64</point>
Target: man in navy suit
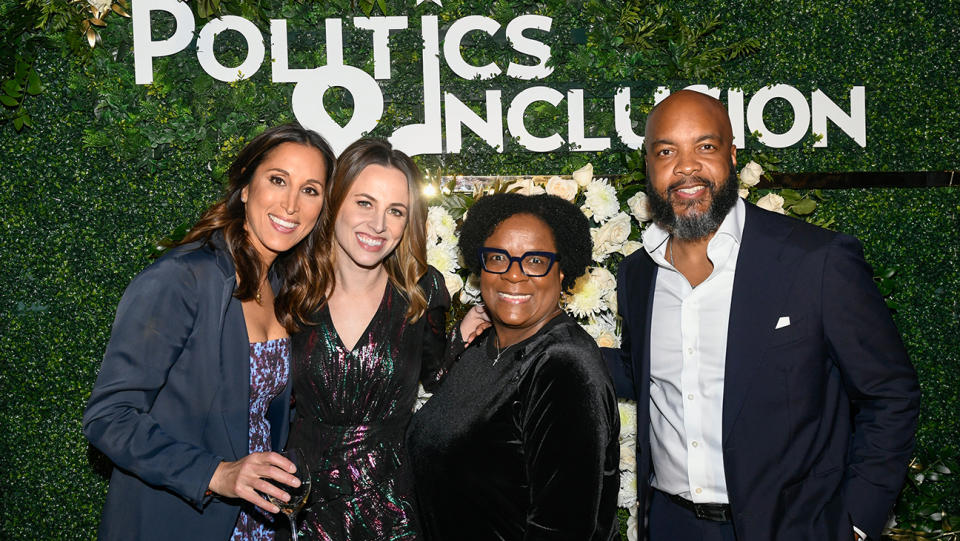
<point>775,399</point>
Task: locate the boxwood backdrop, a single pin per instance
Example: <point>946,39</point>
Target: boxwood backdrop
<point>107,168</point>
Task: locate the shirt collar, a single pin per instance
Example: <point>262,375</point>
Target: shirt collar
<point>655,237</point>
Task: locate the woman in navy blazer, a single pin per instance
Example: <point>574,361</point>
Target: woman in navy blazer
<point>174,403</point>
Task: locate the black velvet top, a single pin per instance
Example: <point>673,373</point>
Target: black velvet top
<point>522,449</point>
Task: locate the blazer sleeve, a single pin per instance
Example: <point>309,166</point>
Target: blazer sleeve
<point>154,320</point>
<point>569,419</point>
<point>619,360</point>
<point>880,382</point>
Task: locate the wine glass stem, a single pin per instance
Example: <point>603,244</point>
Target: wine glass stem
<point>293,527</point>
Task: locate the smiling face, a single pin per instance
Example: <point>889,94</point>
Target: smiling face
<point>283,199</point>
<point>519,305</point>
<point>372,217</point>
<point>691,161</point>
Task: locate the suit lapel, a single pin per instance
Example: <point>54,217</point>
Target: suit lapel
<point>759,285</point>
<point>234,399</point>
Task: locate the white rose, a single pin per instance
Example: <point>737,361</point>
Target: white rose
<point>454,283</point>
<point>772,202</point>
<point>602,247</point>
<point>627,496</point>
<point>526,186</point>
<point>606,339</point>
<point>604,278</point>
<point>640,207</point>
<point>616,230</point>
<point>584,175</point>
<point>630,246</point>
<point>750,174</point>
<point>566,188</point>
<point>743,193</point>
<point>601,199</point>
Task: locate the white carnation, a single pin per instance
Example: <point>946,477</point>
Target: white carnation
<point>750,174</point>
<point>443,257</point>
<point>772,202</point>
<point>601,199</point>
<point>589,293</point>
<point>640,207</point>
<point>526,186</point>
<point>440,225</point>
<point>627,496</point>
<point>584,175</point>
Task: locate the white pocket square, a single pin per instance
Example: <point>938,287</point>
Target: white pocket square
<point>784,321</point>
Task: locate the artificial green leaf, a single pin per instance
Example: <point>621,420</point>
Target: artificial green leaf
<point>804,207</point>
<point>8,101</point>
<point>791,194</point>
<point>18,123</point>
<point>12,88</point>
<point>33,84</point>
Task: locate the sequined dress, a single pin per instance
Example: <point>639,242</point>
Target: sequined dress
<point>269,373</point>
<point>352,409</point>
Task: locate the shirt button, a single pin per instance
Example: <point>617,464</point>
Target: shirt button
<point>695,444</point>
<point>690,396</point>
<point>690,351</point>
<point>699,491</point>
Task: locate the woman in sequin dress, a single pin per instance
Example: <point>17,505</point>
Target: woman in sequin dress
<point>193,392</point>
<point>380,331</point>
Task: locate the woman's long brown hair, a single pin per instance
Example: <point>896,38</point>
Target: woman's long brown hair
<point>299,268</point>
<point>408,262</point>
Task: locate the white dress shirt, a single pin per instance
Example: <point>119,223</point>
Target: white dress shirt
<point>688,345</point>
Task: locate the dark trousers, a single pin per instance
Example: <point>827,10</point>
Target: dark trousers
<point>670,522</point>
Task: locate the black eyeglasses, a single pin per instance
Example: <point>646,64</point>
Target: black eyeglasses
<point>532,264</point>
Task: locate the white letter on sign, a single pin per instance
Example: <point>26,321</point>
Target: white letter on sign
<point>144,48</point>
<point>518,109</point>
<point>255,49</point>
<point>451,47</point>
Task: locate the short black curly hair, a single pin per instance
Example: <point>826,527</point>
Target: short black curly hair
<point>571,229</point>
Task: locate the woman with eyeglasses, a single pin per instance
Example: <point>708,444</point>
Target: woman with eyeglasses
<point>520,442</point>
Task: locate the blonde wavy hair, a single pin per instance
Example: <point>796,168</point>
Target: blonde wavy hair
<point>408,261</point>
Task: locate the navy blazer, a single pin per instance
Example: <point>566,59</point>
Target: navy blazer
<point>818,416</point>
<point>172,398</point>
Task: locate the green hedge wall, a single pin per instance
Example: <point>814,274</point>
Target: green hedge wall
<point>111,167</point>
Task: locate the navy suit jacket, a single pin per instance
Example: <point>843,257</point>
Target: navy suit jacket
<point>818,416</point>
<point>172,398</point>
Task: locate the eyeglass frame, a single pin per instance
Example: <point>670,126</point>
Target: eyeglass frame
<point>553,257</point>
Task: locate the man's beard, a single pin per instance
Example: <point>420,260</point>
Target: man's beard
<point>696,226</point>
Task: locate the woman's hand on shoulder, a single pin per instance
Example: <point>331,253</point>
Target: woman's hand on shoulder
<point>247,479</point>
<point>474,322</point>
